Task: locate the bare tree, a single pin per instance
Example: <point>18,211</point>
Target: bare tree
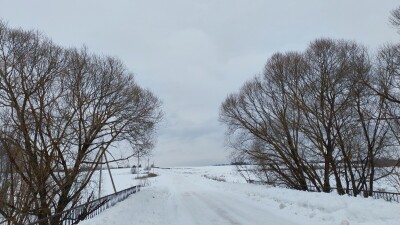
<point>58,107</point>
<point>395,18</point>
<point>263,122</point>
<point>309,118</point>
<point>366,135</point>
<point>327,102</point>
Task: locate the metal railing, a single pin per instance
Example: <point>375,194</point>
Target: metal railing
<point>88,210</point>
<point>387,196</point>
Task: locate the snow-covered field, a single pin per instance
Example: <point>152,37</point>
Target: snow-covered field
<point>122,178</point>
<point>185,196</point>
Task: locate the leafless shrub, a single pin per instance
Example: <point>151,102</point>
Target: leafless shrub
<point>216,178</point>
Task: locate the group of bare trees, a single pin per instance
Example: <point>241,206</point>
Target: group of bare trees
<point>321,117</point>
<point>60,112</point>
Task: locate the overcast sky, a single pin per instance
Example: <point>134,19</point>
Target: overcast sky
<point>192,54</point>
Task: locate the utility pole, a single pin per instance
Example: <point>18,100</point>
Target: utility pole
<point>148,165</point>
<point>103,153</point>
<point>101,168</point>
<point>109,172</point>
<point>138,169</point>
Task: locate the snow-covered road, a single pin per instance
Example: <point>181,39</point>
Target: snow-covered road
<point>200,201</point>
<point>181,198</point>
<point>185,197</point>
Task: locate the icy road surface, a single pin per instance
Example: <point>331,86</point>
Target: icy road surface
<point>185,197</point>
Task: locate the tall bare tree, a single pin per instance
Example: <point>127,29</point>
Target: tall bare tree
<point>60,110</point>
<point>310,118</point>
<point>263,122</point>
<point>328,99</point>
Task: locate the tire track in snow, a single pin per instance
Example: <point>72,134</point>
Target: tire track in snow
<point>201,204</point>
<point>203,211</point>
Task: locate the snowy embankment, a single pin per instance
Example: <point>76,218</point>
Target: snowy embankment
<point>184,196</point>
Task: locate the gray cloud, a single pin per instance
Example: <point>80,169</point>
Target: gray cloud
<point>192,54</point>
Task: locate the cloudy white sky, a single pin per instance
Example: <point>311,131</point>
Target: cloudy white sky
<point>192,54</point>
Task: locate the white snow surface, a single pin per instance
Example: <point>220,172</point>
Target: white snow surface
<point>123,179</point>
<point>184,196</point>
